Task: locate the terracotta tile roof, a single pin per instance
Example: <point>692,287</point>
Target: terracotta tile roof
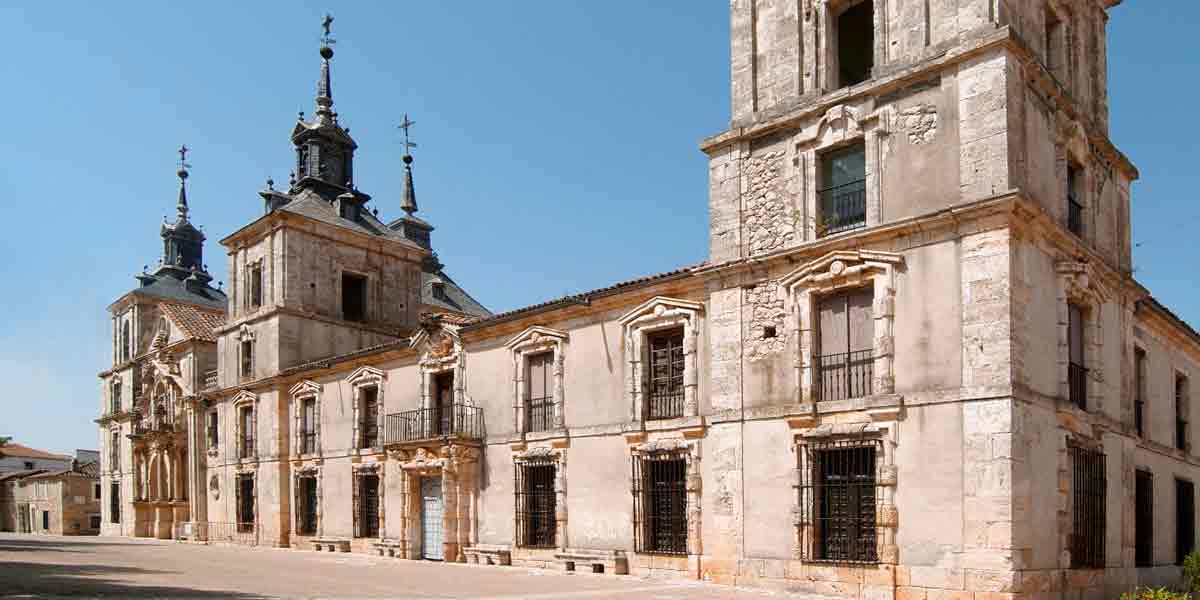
<point>195,322</point>
<point>19,474</point>
<point>88,469</point>
<point>19,451</point>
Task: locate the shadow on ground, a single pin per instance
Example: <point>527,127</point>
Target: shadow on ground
<point>43,544</point>
<point>40,580</point>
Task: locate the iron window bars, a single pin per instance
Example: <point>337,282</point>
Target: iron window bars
<point>458,420</point>
<point>666,375</point>
<point>1088,492</point>
<point>1185,519</point>
<point>1077,384</point>
<point>308,426</point>
<point>114,502</point>
<point>536,502</point>
<point>245,503</point>
<point>660,502</point>
<point>246,446</point>
<point>368,418</point>
<point>845,375</point>
<point>843,207</point>
<point>1143,519</point>
<point>307,510</point>
<point>839,498</point>
<point>366,504</point>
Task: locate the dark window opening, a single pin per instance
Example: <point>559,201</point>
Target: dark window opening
<point>214,430</point>
<point>1089,488</point>
<point>368,418</point>
<point>540,374</point>
<point>438,289</point>
<point>29,465</point>
<point>114,453</point>
<point>1139,397</point>
<point>769,332</point>
<point>306,497</point>
<point>443,403</point>
<point>660,503</point>
<point>536,504</point>
<point>45,520</point>
<point>856,43</point>
<point>308,426</point>
<point>1185,519</point>
<point>1181,412</point>
<point>256,286</point>
<point>1074,200</point>
<point>846,345</point>
<point>126,344</point>
<point>114,502</point>
<point>354,297</point>
<point>247,426</point>
<point>245,503</point>
<point>116,397</point>
<point>1077,374</point>
<point>367,506</point>
<point>666,374</point>
<point>1143,524</point>
<point>839,498</point>
<point>843,194</point>
<point>94,521</point>
<point>96,492</point>
<point>247,367</point>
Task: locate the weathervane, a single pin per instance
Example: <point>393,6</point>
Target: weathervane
<point>326,24</point>
<point>405,125</point>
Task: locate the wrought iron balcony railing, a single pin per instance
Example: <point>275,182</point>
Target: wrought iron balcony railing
<point>845,375</point>
<point>210,380</point>
<point>843,207</point>
<point>458,421</point>
<point>1074,216</point>
<point>1077,385</point>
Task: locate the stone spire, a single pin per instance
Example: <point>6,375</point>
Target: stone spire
<point>183,244</point>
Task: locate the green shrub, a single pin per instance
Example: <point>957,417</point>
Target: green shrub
<point>1145,593</point>
<point>1191,571</point>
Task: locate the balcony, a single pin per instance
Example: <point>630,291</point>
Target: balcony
<point>843,208</point>
<point>459,422</point>
<point>845,375</point>
<point>1077,385</point>
<point>210,380</point>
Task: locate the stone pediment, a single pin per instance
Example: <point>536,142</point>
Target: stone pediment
<point>363,373</point>
<point>839,264</point>
<point>536,334</point>
<point>305,387</point>
<point>659,306</point>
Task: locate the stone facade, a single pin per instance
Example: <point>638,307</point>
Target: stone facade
<point>956,219</point>
<point>55,502</point>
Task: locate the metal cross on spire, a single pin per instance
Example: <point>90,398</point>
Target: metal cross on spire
<point>326,24</point>
<point>405,125</point>
<point>183,150</point>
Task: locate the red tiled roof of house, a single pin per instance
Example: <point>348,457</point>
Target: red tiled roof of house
<point>19,451</point>
<point>195,322</point>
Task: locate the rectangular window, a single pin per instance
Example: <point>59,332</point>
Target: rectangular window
<point>94,522</point>
<point>214,429</point>
<point>45,520</point>
<point>838,498</point>
<point>256,285</point>
<point>245,503</point>
<point>536,504</point>
<point>1182,406</point>
<point>1076,373</point>
<point>354,297</point>
<point>856,43</point>
<point>247,351</point>
<point>366,514</point>
<point>1089,488</point>
<point>660,503</point>
<point>96,492</point>
<point>1143,522</point>
<point>846,345</point>
<point>246,424</point>
<point>114,453</point>
<point>1074,203</point>
<point>308,425</point>
<point>1185,519</point>
<point>1139,392</point>
<point>114,502</point>
<point>115,400</point>
<point>306,507</point>
<point>443,403</point>
<point>666,374</point>
<point>29,465</point>
<point>843,194</point>
<point>540,375</point>
<point>368,418</point>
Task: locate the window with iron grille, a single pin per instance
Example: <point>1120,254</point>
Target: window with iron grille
<point>368,418</point>
<point>1089,488</point>
<point>1074,206</point>
<point>660,503</point>
<point>1143,520</point>
<point>115,400</point>
<point>114,502</point>
<point>1181,411</point>
<point>245,502</point>
<point>256,285</point>
<point>536,503</point>
<point>214,429</point>
<point>306,510</point>
<point>443,403</point>
<point>1076,372</point>
<point>843,196</point>
<point>838,500</point>
<point>1139,392</point>
<point>308,425</point>
<point>366,505</point>
<point>540,377</point>
<point>114,452</point>
<point>1185,519</point>
<point>666,374</point>
<point>247,351</point>
<point>246,443</point>
<point>846,345</point>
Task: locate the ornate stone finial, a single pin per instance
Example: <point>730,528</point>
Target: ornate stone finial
<point>270,183</point>
<point>408,200</point>
<point>181,207</point>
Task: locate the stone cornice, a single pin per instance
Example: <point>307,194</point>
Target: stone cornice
<point>266,312</point>
<point>284,220</point>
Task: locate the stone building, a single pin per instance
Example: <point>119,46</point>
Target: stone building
<point>59,501</point>
<point>16,457</point>
<point>915,363</point>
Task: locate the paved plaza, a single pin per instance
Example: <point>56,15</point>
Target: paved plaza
<point>42,566</point>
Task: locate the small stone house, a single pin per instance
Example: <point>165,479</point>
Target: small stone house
<point>58,502</point>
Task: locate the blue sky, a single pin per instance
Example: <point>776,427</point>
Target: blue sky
<point>557,149</point>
